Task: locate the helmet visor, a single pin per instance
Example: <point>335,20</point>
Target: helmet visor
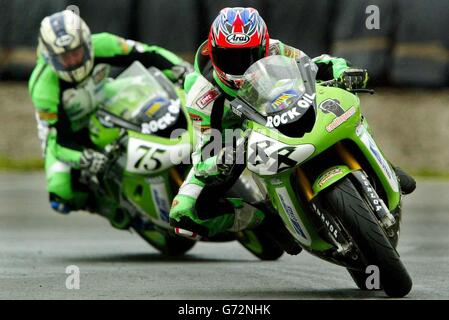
<point>236,61</point>
<point>71,59</point>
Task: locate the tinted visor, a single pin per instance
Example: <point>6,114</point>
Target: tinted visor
<point>72,59</point>
<point>236,61</point>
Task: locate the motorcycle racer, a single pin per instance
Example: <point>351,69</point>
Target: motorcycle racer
<point>68,56</point>
<point>238,37</point>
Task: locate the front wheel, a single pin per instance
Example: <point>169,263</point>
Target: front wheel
<point>359,221</point>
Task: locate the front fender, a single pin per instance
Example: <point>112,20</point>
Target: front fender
<point>329,177</point>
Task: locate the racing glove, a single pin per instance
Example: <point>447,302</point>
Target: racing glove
<point>181,71</point>
<point>92,161</point>
<point>353,79</point>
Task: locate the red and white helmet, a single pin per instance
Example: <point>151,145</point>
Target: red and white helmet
<point>238,37</point>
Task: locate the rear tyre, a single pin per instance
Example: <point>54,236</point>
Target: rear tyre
<point>359,221</point>
<point>260,244</point>
<point>170,245</point>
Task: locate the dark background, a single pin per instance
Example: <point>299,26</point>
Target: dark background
<point>411,48</point>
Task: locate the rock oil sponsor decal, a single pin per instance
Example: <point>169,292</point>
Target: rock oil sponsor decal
<point>163,122</point>
<point>340,120</point>
<point>292,114</point>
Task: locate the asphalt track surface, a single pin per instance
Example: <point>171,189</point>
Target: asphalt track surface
<point>37,244</point>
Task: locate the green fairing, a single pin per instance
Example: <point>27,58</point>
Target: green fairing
<point>322,140</point>
<point>317,242</point>
<point>347,130</point>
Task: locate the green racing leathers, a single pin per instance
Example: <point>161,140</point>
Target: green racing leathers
<point>63,130</point>
<point>201,206</point>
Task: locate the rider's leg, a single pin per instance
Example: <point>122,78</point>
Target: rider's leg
<point>406,182</point>
<point>59,186</point>
<point>203,209</point>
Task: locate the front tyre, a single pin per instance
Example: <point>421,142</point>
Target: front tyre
<point>358,219</point>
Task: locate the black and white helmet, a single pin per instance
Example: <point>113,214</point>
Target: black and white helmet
<point>66,43</point>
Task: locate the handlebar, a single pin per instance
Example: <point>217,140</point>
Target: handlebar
<point>334,83</point>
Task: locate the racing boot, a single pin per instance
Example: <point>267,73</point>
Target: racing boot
<point>406,182</point>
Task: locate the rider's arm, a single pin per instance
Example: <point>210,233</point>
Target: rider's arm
<point>120,52</point>
<point>328,67</point>
<point>45,94</point>
<point>201,99</point>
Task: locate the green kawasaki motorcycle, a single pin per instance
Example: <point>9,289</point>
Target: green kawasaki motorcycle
<point>143,128</point>
<point>311,151</point>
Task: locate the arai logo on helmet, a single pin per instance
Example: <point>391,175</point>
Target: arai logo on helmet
<point>64,40</point>
<point>237,38</point>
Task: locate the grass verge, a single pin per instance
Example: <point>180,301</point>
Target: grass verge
<point>8,164</point>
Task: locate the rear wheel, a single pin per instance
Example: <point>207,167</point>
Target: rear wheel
<point>358,219</point>
<point>260,244</point>
<point>167,244</point>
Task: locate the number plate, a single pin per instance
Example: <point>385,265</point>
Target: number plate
<point>149,157</point>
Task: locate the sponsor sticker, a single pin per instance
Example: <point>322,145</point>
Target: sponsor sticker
<point>207,98</point>
<point>292,114</point>
<point>237,38</point>
<point>195,117</point>
<point>332,106</point>
<point>340,120</point>
<point>293,215</point>
<point>283,100</point>
<point>329,175</point>
<point>160,198</point>
<point>236,110</point>
<point>292,52</point>
<point>163,121</point>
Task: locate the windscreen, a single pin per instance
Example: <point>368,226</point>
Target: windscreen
<point>135,95</point>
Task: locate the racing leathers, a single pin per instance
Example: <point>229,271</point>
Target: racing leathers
<point>63,111</point>
<point>201,207</point>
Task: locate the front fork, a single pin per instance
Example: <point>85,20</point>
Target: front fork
<point>381,211</point>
